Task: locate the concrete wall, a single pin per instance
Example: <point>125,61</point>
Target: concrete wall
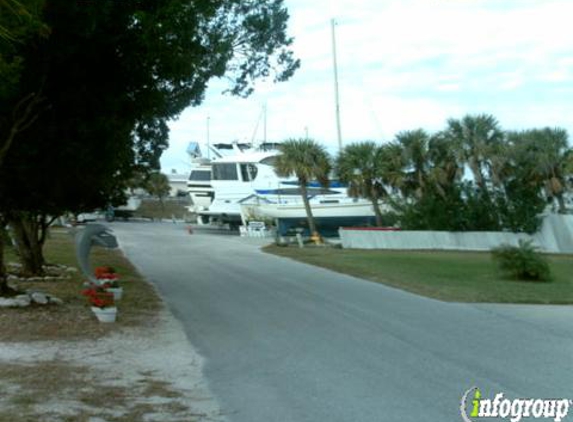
<point>555,236</point>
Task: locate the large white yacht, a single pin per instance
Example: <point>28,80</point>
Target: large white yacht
<point>234,179</point>
<point>245,187</point>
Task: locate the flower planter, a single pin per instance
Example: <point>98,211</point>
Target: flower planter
<point>117,292</point>
<point>105,314</point>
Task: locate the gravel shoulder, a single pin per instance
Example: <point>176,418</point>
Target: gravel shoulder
<point>136,374</point>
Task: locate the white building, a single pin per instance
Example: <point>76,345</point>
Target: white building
<point>177,183</point>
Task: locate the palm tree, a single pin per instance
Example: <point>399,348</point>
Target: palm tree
<point>361,166</point>
<point>548,157</point>
<point>414,145</point>
<point>480,137</point>
<point>393,164</point>
<point>445,162</point>
<point>307,160</point>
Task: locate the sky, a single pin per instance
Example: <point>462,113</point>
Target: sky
<point>402,65</point>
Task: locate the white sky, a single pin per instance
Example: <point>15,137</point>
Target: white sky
<point>402,64</point>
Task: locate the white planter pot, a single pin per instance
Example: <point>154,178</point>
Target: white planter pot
<point>105,314</point>
<point>117,292</point>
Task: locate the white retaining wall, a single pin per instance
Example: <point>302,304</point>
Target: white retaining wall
<point>555,236</point>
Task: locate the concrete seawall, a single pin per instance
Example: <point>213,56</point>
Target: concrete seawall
<point>555,236</point>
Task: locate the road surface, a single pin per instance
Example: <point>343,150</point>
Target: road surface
<point>286,341</point>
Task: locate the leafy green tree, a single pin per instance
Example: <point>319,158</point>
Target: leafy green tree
<point>306,160</point>
<point>19,22</point>
<point>361,166</point>
<point>157,185</point>
<point>109,76</point>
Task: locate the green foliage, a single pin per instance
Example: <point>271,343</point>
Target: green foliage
<point>305,159</point>
<point>433,212</point>
<point>157,185</point>
<point>514,176</point>
<point>20,22</point>
<point>522,262</point>
<point>361,165</point>
<point>110,76</point>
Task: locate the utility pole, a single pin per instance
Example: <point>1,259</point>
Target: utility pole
<point>337,97</point>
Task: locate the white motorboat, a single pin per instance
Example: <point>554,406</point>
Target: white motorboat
<point>329,208</point>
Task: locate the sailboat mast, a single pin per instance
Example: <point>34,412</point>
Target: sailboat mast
<point>208,138</point>
<point>265,123</point>
<point>337,97</point>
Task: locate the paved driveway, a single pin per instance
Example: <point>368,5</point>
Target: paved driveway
<point>286,341</point>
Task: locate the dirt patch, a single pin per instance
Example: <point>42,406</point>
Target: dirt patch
<point>59,364</point>
<point>134,374</point>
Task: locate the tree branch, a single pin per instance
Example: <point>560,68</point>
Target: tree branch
<point>23,118</point>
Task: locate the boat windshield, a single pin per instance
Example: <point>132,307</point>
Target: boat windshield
<point>248,172</point>
<point>269,161</point>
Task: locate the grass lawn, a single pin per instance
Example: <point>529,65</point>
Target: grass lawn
<point>92,371</point>
<point>74,320</point>
<point>448,276</point>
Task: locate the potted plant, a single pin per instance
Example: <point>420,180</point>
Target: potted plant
<point>102,303</point>
<point>114,288</point>
<point>108,279</point>
<point>106,273</point>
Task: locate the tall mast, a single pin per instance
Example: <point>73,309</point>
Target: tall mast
<point>208,139</point>
<point>337,98</point>
<point>265,123</point>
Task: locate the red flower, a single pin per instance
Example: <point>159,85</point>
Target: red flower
<point>104,271</point>
<point>88,292</point>
<point>98,297</point>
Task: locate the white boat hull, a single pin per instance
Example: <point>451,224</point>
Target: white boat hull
<point>325,210</point>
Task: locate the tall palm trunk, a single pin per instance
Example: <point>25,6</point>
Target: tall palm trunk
<point>376,206</point>
<point>307,208</point>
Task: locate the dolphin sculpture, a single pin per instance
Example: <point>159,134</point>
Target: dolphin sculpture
<point>85,239</point>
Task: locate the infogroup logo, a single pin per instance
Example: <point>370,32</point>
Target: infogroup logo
<point>474,407</point>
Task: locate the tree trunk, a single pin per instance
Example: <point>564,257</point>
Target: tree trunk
<point>28,233</point>
<point>561,201</point>
<point>3,280</point>
<point>309,216</point>
<point>376,206</point>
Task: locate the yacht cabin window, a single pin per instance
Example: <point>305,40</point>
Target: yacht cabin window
<point>225,171</point>
<point>248,172</point>
<point>200,175</point>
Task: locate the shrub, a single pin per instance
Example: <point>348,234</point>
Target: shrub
<point>522,262</point>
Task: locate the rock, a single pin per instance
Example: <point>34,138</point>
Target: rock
<point>39,298</point>
<point>71,270</point>
<point>55,300</point>
<point>8,302</point>
<point>22,301</point>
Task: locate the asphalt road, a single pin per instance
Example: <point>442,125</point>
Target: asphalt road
<point>286,341</point>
